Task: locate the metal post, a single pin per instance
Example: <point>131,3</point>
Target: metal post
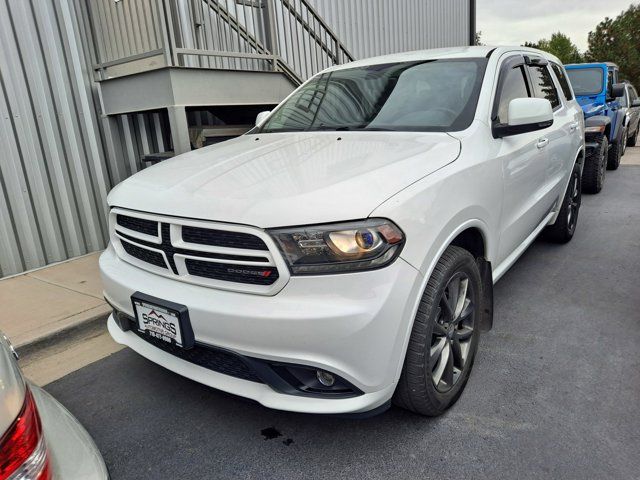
<point>270,31</point>
<point>168,31</point>
<point>179,129</point>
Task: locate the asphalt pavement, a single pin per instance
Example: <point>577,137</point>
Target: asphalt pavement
<point>555,390</point>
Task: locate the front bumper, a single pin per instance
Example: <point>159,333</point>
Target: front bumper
<point>353,325</point>
<point>74,455</point>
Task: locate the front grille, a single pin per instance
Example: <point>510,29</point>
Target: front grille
<point>141,225</point>
<point>147,256</point>
<point>216,255</point>
<point>222,238</point>
<point>253,275</point>
<point>211,358</point>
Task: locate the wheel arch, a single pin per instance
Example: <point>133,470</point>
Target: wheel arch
<point>473,240</point>
<point>474,236</point>
<point>472,230</point>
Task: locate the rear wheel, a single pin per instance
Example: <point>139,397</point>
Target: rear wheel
<point>444,338</point>
<point>595,167</point>
<point>633,140</point>
<point>562,231</point>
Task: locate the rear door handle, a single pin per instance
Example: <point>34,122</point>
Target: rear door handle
<point>573,126</point>
<point>543,142</point>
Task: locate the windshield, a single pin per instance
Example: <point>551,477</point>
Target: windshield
<point>436,95</point>
<point>586,81</point>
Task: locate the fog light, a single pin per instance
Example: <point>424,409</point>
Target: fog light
<point>325,378</point>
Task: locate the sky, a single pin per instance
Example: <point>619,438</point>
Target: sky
<point>513,22</point>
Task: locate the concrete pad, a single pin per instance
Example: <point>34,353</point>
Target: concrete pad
<point>631,156</point>
<point>33,309</point>
<point>80,275</point>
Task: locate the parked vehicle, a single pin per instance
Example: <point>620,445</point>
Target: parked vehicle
<point>343,252</point>
<point>39,438</point>
<point>631,102</point>
<point>598,91</point>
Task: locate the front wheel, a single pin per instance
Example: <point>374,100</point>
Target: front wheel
<point>562,231</point>
<point>595,167</point>
<point>444,338</point>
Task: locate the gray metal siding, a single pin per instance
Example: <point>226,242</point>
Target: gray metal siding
<point>53,178</point>
<point>370,28</point>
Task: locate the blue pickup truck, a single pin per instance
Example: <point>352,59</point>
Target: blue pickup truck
<point>597,89</point>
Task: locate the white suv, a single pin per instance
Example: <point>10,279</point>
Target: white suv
<point>342,254</point>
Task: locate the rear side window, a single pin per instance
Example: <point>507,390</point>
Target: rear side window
<point>514,86</point>
<point>543,86</point>
<point>564,83</point>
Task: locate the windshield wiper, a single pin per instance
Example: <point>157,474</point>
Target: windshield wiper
<point>351,128</point>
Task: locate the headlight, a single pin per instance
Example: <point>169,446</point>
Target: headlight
<point>339,247</point>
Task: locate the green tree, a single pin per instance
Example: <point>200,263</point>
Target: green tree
<point>618,40</point>
<point>559,45</point>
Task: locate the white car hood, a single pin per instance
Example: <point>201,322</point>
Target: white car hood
<point>287,179</point>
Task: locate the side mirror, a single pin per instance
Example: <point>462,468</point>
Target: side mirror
<point>617,90</point>
<point>636,103</point>
<point>525,115</point>
<point>262,116</point>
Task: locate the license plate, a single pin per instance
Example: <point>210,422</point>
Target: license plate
<point>163,320</point>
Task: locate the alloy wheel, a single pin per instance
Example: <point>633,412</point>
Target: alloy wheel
<point>574,203</point>
<point>452,333</point>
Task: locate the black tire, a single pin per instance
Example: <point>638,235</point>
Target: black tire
<point>417,389</point>
<point>633,140</point>
<point>615,154</point>
<point>562,231</point>
<point>595,167</point>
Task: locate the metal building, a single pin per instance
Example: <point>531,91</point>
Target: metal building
<point>92,91</point>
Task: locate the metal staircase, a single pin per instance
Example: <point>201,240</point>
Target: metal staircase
<point>171,58</point>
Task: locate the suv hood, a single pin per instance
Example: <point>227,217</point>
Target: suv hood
<point>287,179</point>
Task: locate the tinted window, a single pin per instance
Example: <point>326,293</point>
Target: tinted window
<point>543,86</point>
<point>586,81</point>
<point>437,95</point>
<point>564,83</point>
<point>514,86</point>
<point>632,94</point>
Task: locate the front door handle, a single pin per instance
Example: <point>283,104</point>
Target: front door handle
<point>573,126</point>
<point>543,142</point>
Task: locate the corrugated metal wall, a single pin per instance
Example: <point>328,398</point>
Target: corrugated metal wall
<point>52,171</point>
<point>377,27</point>
<point>58,158</point>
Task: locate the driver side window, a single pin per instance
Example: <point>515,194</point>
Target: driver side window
<point>514,86</point>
